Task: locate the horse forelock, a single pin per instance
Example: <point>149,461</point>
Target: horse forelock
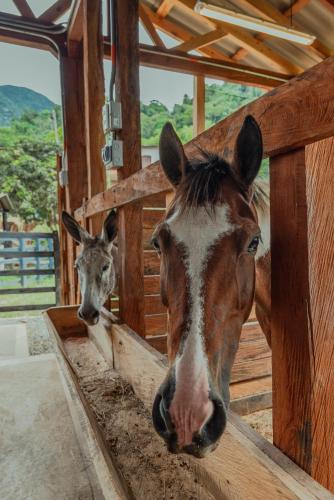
<point>204,181</point>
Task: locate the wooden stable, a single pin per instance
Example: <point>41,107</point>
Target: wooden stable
<point>297,123</point>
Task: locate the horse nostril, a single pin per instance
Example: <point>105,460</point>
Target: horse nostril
<point>80,314</point>
<point>95,314</point>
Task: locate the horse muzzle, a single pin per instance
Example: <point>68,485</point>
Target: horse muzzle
<point>204,441</point>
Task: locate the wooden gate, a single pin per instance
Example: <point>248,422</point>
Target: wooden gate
<point>26,259</point>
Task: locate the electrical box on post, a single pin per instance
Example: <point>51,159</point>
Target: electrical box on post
<point>112,154</point>
<point>115,115</point>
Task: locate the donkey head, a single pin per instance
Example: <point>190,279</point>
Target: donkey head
<point>96,265</point>
<point>207,244</point>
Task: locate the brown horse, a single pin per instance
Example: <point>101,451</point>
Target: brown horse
<point>212,242</point>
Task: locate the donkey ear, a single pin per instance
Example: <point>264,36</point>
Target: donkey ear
<point>78,233</point>
<point>109,230</point>
<point>248,151</point>
<point>172,156</point>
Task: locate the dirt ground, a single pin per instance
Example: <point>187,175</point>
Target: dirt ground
<point>140,455</point>
<point>261,421</point>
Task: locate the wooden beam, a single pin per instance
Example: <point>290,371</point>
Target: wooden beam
<point>71,74</point>
<point>94,100</point>
<point>329,4</point>
<point>197,42</point>
<point>303,120</point>
<point>130,218</point>
<point>150,29</point>
<point>75,30</point>
<point>264,9</point>
<point>55,11</point>
<point>171,60</point>
<point>199,105</point>
<point>249,42</point>
<point>165,7</point>
<point>180,33</point>
<point>31,33</point>
<point>255,45</point>
<point>302,318</point>
<point>296,7</point>
<point>292,365</point>
<point>24,8</point>
<point>25,40</point>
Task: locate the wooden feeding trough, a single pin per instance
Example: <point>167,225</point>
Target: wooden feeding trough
<point>243,462</point>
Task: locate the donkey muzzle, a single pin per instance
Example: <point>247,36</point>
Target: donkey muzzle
<point>89,315</point>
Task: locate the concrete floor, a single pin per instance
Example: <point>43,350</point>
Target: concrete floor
<point>40,457</point>
<point>13,341</point>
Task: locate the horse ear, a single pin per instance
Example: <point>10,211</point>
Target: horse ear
<point>109,230</point>
<point>248,151</point>
<point>78,233</point>
<point>172,156</point>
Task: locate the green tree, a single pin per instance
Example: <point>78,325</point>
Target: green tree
<point>27,166</point>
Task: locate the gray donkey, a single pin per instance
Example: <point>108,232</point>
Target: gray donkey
<point>97,266</point>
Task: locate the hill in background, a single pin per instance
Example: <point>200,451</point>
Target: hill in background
<point>220,101</point>
<point>14,101</point>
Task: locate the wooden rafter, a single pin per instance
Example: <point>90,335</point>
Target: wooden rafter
<point>24,8</point>
<point>200,41</point>
<point>148,25</point>
<point>264,9</point>
<point>249,42</point>
<point>329,4</point>
<point>199,105</point>
<point>75,25</point>
<point>296,7</point>
<point>180,33</point>
<point>156,57</point>
<point>55,11</point>
<point>165,7</point>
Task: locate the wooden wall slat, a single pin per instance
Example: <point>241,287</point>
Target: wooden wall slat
<point>153,305</point>
<point>156,324</point>
<point>152,284</point>
<point>151,262</point>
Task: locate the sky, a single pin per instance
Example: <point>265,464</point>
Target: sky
<point>39,70</point>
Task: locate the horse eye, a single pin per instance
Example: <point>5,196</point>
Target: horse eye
<point>105,267</point>
<point>253,245</point>
<point>155,244</point>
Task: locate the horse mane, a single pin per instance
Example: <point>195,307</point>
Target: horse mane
<point>202,184</point>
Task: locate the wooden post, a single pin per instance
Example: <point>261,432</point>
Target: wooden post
<point>302,193</point>
<point>94,101</point>
<point>131,279</point>
<point>71,71</point>
<point>199,105</point>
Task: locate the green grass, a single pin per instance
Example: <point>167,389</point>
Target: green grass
<point>29,298</point>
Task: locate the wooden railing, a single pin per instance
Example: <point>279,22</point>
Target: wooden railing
<point>293,119</point>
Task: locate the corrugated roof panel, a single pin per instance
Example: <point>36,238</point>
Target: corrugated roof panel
<point>314,18</point>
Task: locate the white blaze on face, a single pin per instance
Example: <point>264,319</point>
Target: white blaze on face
<point>197,231</point>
